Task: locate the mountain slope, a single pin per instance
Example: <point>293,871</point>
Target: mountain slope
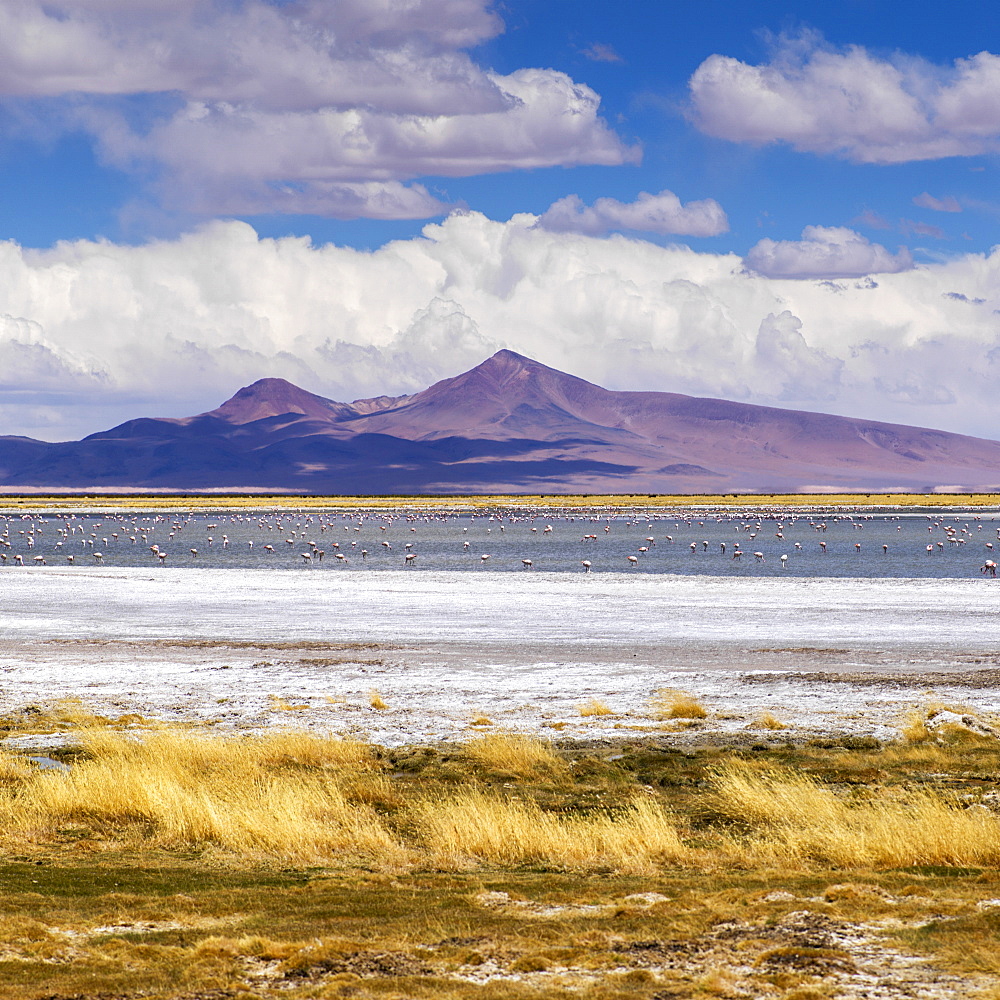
<point>508,425</point>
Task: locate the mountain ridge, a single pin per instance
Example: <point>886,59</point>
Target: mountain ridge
<point>509,424</point>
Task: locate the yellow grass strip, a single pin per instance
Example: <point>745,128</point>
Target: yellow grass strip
<point>512,753</point>
<point>258,501</point>
<point>800,819</point>
<point>499,830</point>
<point>274,795</point>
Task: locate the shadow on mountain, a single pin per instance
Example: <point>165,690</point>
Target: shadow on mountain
<point>369,463</point>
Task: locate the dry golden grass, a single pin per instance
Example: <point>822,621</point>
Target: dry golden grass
<point>500,830</point>
<point>799,819</point>
<point>190,750</point>
<point>377,701</point>
<point>65,714</point>
<point>277,794</point>
<point>279,704</point>
<point>295,795</point>
<point>220,502</point>
<point>768,721</point>
<point>914,727</point>
<point>670,703</point>
<point>594,707</point>
<point>511,753</point>
<point>333,864</point>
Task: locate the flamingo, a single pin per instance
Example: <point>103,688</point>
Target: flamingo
<point>634,560</point>
<point>409,558</point>
<point>526,563</point>
<point>586,565</point>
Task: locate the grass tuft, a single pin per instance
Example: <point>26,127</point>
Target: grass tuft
<point>670,703</point>
<point>485,827</point>
<point>277,794</point>
<point>376,701</point>
<point>594,707</point>
<point>516,755</point>
<point>768,721</point>
<point>796,818</point>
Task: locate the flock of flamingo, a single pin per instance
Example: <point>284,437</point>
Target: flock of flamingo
<point>456,539</point>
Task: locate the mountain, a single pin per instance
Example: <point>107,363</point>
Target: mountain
<point>508,425</point>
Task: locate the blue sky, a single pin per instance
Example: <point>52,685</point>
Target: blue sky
<point>56,185</point>
<point>785,203</point>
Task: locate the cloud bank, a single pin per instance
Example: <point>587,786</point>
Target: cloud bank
<point>304,107</point>
<point>851,103</point>
<point>94,332</point>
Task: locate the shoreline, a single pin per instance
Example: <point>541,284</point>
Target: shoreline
<point>255,649</point>
<point>434,693</point>
<point>44,500</point>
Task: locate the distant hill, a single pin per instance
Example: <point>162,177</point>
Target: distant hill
<point>508,425</point>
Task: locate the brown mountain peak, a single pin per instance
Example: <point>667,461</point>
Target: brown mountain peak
<point>272,397</point>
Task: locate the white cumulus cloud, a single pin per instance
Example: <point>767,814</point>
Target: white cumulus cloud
<point>649,213</point>
<point>852,103</point>
<point>99,332</point>
<point>825,252</point>
<point>308,106</point>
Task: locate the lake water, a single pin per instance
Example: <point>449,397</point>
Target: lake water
<point>911,545</point>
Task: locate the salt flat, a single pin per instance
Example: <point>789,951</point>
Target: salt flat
<point>254,648</point>
<point>497,609</point>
